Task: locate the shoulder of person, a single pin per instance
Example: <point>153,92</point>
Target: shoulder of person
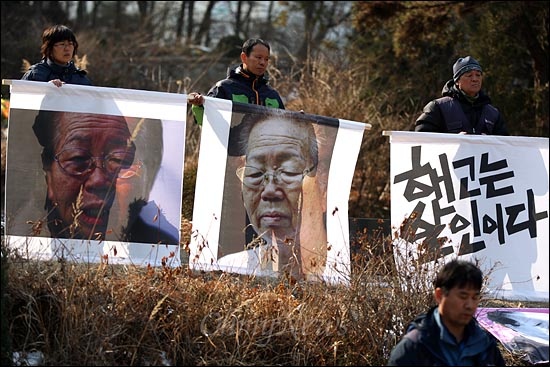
<point>214,90</point>
<point>39,71</point>
<point>41,65</point>
<point>444,99</point>
<point>224,85</point>
<point>432,106</point>
<point>83,79</point>
<point>75,69</point>
<point>81,71</point>
<point>222,82</point>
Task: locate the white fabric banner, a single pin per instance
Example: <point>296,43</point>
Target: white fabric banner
<point>112,161</point>
<point>480,198</point>
<point>272,192</point>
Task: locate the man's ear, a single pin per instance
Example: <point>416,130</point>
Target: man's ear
<point>438,295</point>
<point>243,57</point>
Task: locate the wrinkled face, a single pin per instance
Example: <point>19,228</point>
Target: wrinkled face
<point>470,82</point>
<point>62,52</point>
<point>90,153</point>
<point>257,62</point>
<point>277,160</point>
<point>458,306</point>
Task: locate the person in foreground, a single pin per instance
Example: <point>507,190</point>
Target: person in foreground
<point>59,47</point>
<point>448,334</point>
<point>245,83</point>
<point>464,107</point>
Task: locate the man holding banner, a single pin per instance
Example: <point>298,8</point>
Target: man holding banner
<point>463,108</point>
<point>244,83</point>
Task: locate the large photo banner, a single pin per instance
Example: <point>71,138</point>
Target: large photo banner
<point>272,192</point>
<point>95,174</point>
<point>522,331</point>
<point>480,198</point>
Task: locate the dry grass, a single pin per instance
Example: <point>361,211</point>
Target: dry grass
<point>114,315</point>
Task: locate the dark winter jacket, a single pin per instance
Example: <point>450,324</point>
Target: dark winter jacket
<point>422,345</point>
<point>244,87</point>
<point>455,113</point>
<point>47,70</point>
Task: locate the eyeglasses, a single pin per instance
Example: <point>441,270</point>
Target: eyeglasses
<point>64,44</point>
<point>253,177</point>
<point>80,162</point>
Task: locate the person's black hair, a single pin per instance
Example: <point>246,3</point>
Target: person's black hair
<point>459,273</point>
<point>249,44</point>
<point>54,34</point>
<point>45,128</point>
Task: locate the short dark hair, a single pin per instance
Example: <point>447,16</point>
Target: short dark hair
<point>459,273</point>
<point>45,129</point>
<point>249,44</point>
<point>54,34</point>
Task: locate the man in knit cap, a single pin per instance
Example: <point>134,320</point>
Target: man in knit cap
<point>463,108</point>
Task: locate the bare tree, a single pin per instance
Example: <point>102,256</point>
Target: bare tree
<point>81,12</point>
<point>238,18</point>
<point>267,26</point>
<point>146,10</point>
<point>243,18</point>
<point>203,34</point>
<point>95,11</point>
<point>190,19</point>
<point>319,18</point>
<point>179,22</point>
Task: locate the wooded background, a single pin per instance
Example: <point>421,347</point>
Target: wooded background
<point>378,62</point>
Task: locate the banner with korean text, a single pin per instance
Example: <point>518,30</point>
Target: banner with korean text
<point>272,192</point>
<point>475,197</point>
<point>95,174</point>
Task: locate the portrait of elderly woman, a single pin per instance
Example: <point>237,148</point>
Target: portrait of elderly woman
<point>82,156</point>
<point>279,162</point>
<point>89,165</point>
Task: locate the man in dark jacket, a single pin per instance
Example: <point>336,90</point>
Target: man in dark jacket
<point>448,334</point>
<point>245,83</point>
<point>464,107</point>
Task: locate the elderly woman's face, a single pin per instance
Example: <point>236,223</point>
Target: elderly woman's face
<point>83,192</point>
<point>278,151</point>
